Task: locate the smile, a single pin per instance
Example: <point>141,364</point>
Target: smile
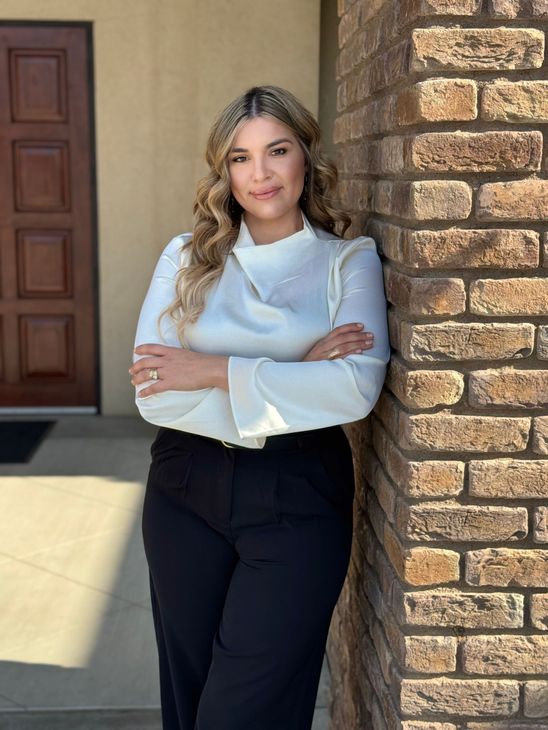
<point>266,194</point>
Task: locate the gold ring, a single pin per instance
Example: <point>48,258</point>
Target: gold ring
<point>333,354</point>
<point>153,373</point>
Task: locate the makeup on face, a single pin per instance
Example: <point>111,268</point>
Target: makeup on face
<point>267,168</point>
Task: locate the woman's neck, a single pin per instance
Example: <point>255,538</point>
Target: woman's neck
<point>268,231</point>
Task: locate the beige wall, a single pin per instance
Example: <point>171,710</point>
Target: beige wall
<point>327,100</point>
<point>163,68</point>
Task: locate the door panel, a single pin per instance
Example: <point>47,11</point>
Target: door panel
<point>44,263</point>
<point>41,176</point>
<point>48,320</point>
<point>38,85</point>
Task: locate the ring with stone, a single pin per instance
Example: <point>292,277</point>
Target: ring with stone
<point>333,354</point>
<point>153,373</point>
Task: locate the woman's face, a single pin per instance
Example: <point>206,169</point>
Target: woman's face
<point>267,169</point>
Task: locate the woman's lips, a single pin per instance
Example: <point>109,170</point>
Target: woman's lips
<point>267,194</point>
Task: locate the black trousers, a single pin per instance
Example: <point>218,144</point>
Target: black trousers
<point>248,550</point>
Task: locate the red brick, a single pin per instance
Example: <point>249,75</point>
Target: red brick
<point>418,479</point>
<point>433,521</point>
<point>507,567</point>
<point>387,69</point>
<point>515,101</point>
<point>514,200</point>
<point>466,697</point>
<point>540,435</point>
<point>410,10</point>
<point>437,100</point>
<point>456,248</point>
<point>449,432</point>
<point>539,611</point>
<point>430,654</point>
<point>505,654</point>
<point>472,151</point>
<point>451,607</point>
<point>439,48</point>
<point>535,696</point>
<point>430,296</point>
<point>542,342</point>
<point>518,9</point>
<point>502,297</point>
<point>540,524</point>
<point>424,388</point>
<point>424,199</point>
<point>509,478</point>
<point>464,341</point>
<point>508,387</point>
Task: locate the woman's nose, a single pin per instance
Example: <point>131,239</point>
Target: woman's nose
<point>260,170</point>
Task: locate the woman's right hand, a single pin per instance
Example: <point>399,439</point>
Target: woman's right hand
<point>346,338</point>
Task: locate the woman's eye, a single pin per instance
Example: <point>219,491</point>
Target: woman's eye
<point>281,150</point>
<point>240,158</point>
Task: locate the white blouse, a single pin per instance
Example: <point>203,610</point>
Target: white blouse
<point>268,308</point>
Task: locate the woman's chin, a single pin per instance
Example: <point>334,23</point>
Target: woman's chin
<point>271,212</point>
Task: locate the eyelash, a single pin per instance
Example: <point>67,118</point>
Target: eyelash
<point>278,149</point>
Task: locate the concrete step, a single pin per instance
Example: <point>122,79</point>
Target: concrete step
<point>82,719</point>
<point>146,718</point>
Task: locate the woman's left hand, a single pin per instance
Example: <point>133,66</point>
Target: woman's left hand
<point>178,369</point>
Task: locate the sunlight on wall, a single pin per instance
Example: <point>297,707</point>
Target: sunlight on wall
<point>162,71</point>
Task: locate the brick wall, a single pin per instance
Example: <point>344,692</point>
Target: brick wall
<point>442,145</point>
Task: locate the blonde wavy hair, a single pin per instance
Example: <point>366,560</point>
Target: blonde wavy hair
<point>218,215</point>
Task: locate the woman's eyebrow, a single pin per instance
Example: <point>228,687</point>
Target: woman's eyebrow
<point>270,144</point>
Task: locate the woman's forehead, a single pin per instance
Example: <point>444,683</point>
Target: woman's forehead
<point>262,130</point>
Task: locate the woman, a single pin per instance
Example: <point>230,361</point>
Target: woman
<point>249,355</point>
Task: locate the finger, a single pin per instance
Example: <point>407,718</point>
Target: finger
<point>349,327</point>
<point>336,336</point>
<point>352,351</point>
<point>360,348</point>
<point>348,347</point>
<point>143,377</point>
<point>144,363</point>
<point>151,348</point>
<point>151,389</point>
<point>350,341</point>
<point>355,340</point>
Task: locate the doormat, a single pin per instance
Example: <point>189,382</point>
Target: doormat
<point>20,439</point>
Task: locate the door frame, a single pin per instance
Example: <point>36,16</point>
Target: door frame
<point>87,26</point>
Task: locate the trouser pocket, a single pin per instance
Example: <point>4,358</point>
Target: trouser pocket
<point>170,470</point>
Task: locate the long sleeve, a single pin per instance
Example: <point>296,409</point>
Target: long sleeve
<point>204,411</point>
<point>269,397</point>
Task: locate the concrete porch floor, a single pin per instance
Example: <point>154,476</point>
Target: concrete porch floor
<point>77,645</point>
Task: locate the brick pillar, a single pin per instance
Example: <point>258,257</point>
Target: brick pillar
<point>443,620</point>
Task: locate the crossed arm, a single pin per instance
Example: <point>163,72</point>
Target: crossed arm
<point>213,369</point>
<point>181,369</point>
<point>233,398</point>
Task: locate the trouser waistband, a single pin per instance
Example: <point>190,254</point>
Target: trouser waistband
<point>283,441</point>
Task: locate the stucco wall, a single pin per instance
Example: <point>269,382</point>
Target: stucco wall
<point>162,70</point>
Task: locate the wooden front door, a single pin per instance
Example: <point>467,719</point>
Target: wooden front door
<point>48,349</point>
